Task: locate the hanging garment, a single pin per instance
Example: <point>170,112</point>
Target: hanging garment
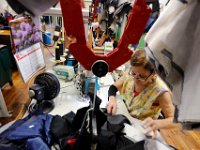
<point>173,43</point>
<point>109,21</point>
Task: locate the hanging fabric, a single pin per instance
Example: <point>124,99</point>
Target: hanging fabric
<point>173,43</point>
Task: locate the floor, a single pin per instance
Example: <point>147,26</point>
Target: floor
<point>17,100</point>
<point>182,139</point>
<point>16,96</point>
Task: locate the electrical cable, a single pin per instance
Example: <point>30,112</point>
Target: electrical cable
<point>32,107</point>
<point>50,51</point>
<point>66,86</point>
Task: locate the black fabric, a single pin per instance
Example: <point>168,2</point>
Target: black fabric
<point>17,6</point>
<point>63,142</point>
<point>7,145</point>
<point>111,137</point>
<point>115,123</point>
<point>107,140</point>
<point>112,91</point>
<point>109,128</point>
<point>148,144</point>
<point>59,128</point>
<point>79,117</point>
<point>84,141</point>
<point>115,43</point>
<point>136,146</point>
<point>69,117</point>
<point>3,21</point>
<point>122,142</point>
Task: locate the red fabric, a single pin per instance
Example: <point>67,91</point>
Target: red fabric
<point>71,142</point>
<point>155,104</point>
<point>136,93</point>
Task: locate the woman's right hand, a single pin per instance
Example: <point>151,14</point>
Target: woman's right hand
<point>112,105</point>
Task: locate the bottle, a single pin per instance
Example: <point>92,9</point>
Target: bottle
<point>57,53</point>
<point>56,33</point>
<point>60,43</point>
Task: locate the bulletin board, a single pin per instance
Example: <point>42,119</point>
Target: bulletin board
<point>27,51</point>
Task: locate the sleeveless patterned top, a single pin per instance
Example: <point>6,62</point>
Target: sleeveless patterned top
<point>145,104</point>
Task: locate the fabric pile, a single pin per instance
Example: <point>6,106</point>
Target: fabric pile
<point>73,132</point>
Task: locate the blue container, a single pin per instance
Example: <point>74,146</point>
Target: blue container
<point>46,36</point>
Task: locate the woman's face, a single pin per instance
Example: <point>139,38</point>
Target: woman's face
<point>98,30</point>
<point>141,76</point>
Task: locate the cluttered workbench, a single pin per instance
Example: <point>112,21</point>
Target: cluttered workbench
<point>69,99</point>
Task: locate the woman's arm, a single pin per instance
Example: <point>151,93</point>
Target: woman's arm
<point>118,84</point>
<point>103,38</point>
<point>112,105</point>
<point>167,107</point>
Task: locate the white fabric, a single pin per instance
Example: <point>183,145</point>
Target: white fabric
<point>37,7</point>
<point>5,7</point>
<point>177,30</point>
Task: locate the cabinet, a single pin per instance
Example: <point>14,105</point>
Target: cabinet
<point>5,66</point>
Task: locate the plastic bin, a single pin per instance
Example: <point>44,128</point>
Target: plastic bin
<point>46,36</point>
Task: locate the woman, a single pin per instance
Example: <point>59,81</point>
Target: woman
<point>144,94</point>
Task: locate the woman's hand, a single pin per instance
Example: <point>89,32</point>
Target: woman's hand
<point>101,41</point>
<point>111,106</point>
<point>150,126</point>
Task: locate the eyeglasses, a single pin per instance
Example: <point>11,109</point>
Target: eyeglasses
<point>139,76</point>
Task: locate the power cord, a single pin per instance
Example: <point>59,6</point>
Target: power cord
<point>66,86</point>
<point>32,107</point>
<point>44,106</point>
<point>48,49</point>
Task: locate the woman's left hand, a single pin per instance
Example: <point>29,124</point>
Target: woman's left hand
<point>151,127</point>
